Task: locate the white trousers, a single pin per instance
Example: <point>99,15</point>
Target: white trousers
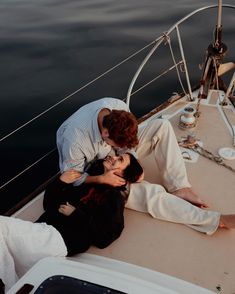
<point>159,138</point>
<point>22,244</point>
<point>153,198</point>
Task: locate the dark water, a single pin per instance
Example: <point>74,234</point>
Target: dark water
<point>50,48</point>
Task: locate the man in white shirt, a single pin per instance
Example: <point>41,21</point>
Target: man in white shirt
<point>82,138</point>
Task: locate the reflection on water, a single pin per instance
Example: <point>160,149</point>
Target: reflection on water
<point>50,48</point>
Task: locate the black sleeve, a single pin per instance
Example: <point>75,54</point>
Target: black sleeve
<point>74,228</point>
<point>108,222</point>
<point>55,194</point>
<point>75,232</point>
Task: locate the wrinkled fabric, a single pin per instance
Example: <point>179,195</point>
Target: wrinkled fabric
<point>22,244</point>
<point>164,206</point>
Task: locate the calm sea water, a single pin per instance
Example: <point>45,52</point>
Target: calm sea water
<point>50,48</point>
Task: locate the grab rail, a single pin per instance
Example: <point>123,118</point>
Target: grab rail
<point>160,40</point>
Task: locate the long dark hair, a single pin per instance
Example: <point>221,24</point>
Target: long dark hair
<point>131,173</point>
<point>98,192</point>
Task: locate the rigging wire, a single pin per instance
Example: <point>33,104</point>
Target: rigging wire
<point>53,150</point>
<point>27,168</point>
<point>222,104</point>
<point>176,64</point>
<point>58,103</point>
<point>157,77</point>
<point>77,91</point>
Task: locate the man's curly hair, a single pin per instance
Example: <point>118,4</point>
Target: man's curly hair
<point>122,127</point>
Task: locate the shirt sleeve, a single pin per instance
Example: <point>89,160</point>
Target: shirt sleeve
<point>81,180</point>
<point>71,146</point>
<point>72,155</point>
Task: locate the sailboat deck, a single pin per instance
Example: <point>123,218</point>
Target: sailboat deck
<point>175,249</point>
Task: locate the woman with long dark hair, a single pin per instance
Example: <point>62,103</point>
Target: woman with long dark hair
<point>74,219</point>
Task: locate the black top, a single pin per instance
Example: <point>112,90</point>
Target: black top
<point>97,220</point>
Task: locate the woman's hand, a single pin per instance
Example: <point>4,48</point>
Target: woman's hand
<point>70,176</point>
<point>66,209</point>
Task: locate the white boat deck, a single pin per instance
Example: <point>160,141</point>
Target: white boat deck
<point>175,249</point>
<point>110,274</point>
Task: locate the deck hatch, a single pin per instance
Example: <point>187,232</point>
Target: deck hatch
<point>60,284</point>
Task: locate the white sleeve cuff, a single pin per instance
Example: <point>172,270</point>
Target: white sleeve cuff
<point>81,180</point>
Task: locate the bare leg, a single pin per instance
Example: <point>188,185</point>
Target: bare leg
<point>188,195</point>
<point>227,221</point>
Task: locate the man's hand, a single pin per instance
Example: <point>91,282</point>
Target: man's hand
<point>111,178</point>
<point>66,209</point>
<point>70,176</point>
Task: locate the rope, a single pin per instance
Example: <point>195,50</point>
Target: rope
<point>78,90</point>
<point>190,143</point>
<point>205,153</point>
<point>216,73</point>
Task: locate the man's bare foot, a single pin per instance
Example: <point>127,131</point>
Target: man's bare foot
<point>227,221</point>
<point>188,195</point>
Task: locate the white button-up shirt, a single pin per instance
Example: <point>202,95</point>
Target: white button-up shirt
<point>79,140</point>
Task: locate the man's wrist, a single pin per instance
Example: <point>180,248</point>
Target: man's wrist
<point>81,180</point>
<point>95,179</point>
<point>100,179</point>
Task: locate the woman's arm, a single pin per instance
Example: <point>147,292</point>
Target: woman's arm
<point>70,176</point>
<point>57,192</point>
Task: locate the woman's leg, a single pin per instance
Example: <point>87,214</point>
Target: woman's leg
<point>26,243</point>
<point>153,198</point>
